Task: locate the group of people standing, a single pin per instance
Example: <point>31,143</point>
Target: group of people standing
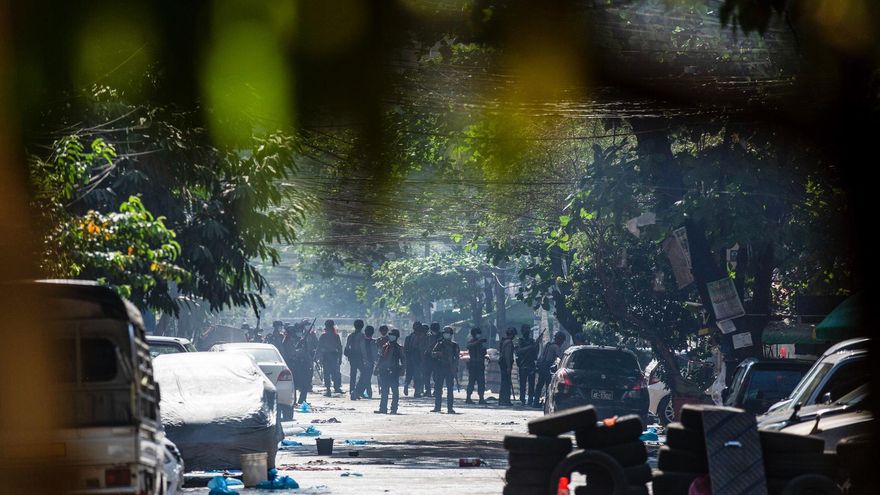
<point>428,361</point>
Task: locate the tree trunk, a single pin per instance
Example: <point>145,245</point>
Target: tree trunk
<point>500,300</point>
<point>560,259</point>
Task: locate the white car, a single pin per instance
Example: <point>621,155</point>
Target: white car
<point>168,345</point>
<point>659,400</point>
<point>270,361</point>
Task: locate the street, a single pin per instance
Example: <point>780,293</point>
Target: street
<point>413,448</point>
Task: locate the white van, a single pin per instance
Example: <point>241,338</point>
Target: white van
<point>110,439</point>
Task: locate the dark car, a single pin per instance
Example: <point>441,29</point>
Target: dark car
<point>608,378</point>
<point>757,384</point>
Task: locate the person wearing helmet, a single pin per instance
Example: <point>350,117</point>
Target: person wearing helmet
<point>476,347</point>
<point>526,355</point>
<point>446,354</point>
<point>390,367</point>
<point>330,352</point>
<point>549,354</point>
<point>505,362</point>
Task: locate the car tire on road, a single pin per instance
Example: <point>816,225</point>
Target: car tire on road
<point>530,444</point>
<point>665,410</point>
<point>675,460</point>
<point>606,433</point>
<point>524,489</point>
<point>564,421</point>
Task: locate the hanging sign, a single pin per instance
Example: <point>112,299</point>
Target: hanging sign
<point>725,300</point>
<point>726,326</point>
<point>741,340</point>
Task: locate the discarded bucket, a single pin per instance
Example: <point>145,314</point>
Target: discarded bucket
<point>254,468</point>
<point>325,446</point>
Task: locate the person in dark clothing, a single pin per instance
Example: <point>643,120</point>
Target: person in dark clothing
<point>380,344</point>
<point>446,354</point>
<point>311,335</point>
<point>429,363</point>
<point>580,338</point>
<point>276,337</point>
<point>549,354</point>
<point>300,357</point>
<point>390,367</point>
<point>476,366</point>
<point>505,362</point>
<point>526,355</point>
<point>355,349</point>
<point>365,385</point>
<point>413,361</point>
<point>330,353</point>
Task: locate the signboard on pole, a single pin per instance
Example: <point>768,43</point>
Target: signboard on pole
<point>725,300</point>
<point>681,267</point>
<point>682,237</point>
<point>741,340</point>
<point>726,326</point>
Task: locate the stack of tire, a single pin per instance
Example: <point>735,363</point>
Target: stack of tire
<point>786,457</point>
<point>683,458</point>
<point>619,438</point>
<point>532,458</point>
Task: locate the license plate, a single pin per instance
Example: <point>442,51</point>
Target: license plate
<point>602,394</point>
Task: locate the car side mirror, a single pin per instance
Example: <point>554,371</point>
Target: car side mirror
<point>826,399</point>
<point>553,368</point>
<point>724,394</point>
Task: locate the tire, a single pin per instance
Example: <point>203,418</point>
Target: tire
<point>692,414</point>
<point>792,465</point>
<point>529,444</point>
<point>623,429</point>
<point>633,490</point>
<point>778,442</point>
<point>629,453</point>
<point>776,486</point>
<point>680,438</point>
<point>528,461</point>
<point>812,484</point>
<point>637,475</point>
<point>564,421</point>
<point>855,449</point>
<point>528,477</point>
<point>665,410</point>
<point>668,483</point>
<point>674,460</point>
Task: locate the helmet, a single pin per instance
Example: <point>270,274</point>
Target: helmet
<point>511,332</point>
<point>559,337</point>
<point>435,327</point>
<point>475,331</point>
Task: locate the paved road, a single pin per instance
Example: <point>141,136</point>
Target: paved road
<point>414,452</point>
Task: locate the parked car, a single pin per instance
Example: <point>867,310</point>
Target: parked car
<point>216,407</point>
<point>850,415</point>
<point>833,377</point>
<point>168,345</point>
<point>860,343</point>
<point>609,378</point>
<point>174,468</point>
<point>660,400</point>
<point>270,361</point>
<point>110,438</point>
<point>759,383</point>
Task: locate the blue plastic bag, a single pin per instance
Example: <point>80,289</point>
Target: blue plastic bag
<point>220,486</point>
<point>356,442</point>
<point>311,431</point>
<point>305,407</point>
<point>290,443</point>
<point>649,435</point>
<point>282,483</point>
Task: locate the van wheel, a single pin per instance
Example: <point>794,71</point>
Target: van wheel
<point>665,411</point>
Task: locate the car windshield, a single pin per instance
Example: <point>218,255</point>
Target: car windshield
<point>159,348</point>
<point>772,385</point>
<point>808,385</point>
<point>599,359</point>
